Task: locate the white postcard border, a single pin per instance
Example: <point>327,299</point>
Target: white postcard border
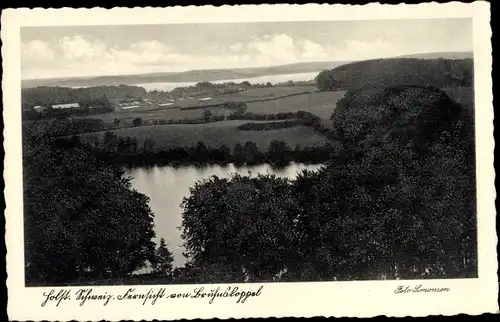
<point>354,299</point>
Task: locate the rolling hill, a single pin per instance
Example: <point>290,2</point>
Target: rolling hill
<point>405,71</point>
<point>445,55</point>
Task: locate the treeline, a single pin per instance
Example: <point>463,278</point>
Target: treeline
<point>268,126</point>
<point>238,106</point>
<point>299,115</point>
<point>50,95</point>
<point>128,152</point>
<point>63,126</point>
<point>98,106</point>
<point>379,73</point>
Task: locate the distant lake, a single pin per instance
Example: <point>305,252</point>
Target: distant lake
<point>167,186</point>
<point>273,79</point>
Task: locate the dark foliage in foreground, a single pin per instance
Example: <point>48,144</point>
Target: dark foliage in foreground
<point>81,217</point>
<point>400,203</point>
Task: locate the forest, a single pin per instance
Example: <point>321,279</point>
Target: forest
<point>439,73</point>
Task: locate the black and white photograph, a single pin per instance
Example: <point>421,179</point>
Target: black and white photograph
<point>249,152</point>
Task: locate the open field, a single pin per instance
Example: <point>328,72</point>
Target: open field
<point>320,104</point>
<point>160,114</point>
<point>265,92</point>
<point>216,135</point>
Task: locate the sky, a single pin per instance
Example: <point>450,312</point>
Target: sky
<point>70,51</point>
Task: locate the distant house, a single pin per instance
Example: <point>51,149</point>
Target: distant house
<point>130,107</point>
<point>39,108</point>
<point>69,105</point>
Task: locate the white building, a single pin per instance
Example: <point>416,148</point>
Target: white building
<point>39,108</point>
<point>69,105</point>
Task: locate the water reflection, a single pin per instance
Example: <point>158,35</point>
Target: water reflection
<point>273,79</point>
<point>168,185</point>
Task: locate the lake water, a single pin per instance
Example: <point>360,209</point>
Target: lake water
<point>273,79</point>
<point>167,186</point>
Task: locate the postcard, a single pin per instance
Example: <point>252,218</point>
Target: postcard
<point>249,161</point>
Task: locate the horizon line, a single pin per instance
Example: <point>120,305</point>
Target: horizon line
<point>238,68</point>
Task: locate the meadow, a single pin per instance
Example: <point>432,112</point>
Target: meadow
<point>215,135</point>
<point>159,114</point>
<point>260,100</point>
<point>320,104</point>
<point>265,92</point>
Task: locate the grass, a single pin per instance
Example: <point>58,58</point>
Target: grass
<point>321,104</point>
<point>265,92</point>
<point>216,135</point>
<point>163,114</point>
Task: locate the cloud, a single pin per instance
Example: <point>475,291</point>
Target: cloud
<point>80,56</point>
<point>313,50</point>
<point>274,48</point>
<point>78,49</point>
<point>236,47</point>
<point>36,52</point>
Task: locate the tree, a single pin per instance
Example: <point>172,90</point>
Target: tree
<point>278,152</point>
<point>110,142</point>
<point>238,154</point>
<point>148,145</point>
<point>163,260</point>
<point>81,217</point>
<point>117,121</point>
<point>325,80</point>
<point>225,153</point>
<point>251,153</point>
<point>245,224</point>
<point>207,115</point>
<point>137,121</point>
<point>241,108</point>
<point>201,152</point>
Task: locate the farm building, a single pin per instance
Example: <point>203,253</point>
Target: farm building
<point>39,108</point>
<point>69,105</point>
